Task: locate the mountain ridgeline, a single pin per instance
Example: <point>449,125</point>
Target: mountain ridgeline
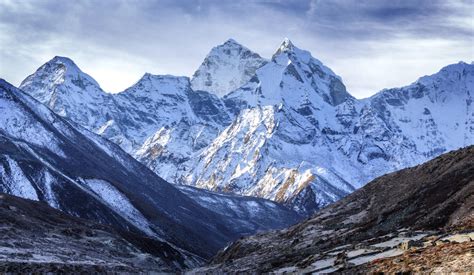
<point>44,157</point>
<point>284,129</point>
<point>424,207</point>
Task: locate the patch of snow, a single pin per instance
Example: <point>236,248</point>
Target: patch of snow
<point>119,203</point>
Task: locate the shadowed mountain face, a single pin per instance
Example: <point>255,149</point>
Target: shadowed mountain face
<point>432,199</point>
<point>37,238</point>
<point>45,158</point>
<point>284,129</point>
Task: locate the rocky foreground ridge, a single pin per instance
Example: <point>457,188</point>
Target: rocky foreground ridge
<point>416,219</point>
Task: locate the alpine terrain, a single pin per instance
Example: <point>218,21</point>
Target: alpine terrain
<point>36,238</point>
<point>284,129</point>
<point>46,158</point>
<point>419,219</point>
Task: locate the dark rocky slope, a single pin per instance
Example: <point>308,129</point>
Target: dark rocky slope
<point>44,157</point>
<point>428,202</point>
<point>37,238</point>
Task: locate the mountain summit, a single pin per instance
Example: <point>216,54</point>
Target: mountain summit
<point>284,129</point>
<point>226,68</point>
<point>68,91</point>
<point>286,45</point>
<point>44,157</point>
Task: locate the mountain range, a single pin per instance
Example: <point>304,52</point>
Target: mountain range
<point>284,128</point>
<point>418,219</point>
<point>45,158</point>
<point>173,170</point>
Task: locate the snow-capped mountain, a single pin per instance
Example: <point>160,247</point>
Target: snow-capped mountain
<point>411,209</point>
<point>160,119</point>
<point>299,138</point>
<point>167,121</point>
<point>278,146</point>
<point>226,68</point>
<point>43,157</point>
<point>291,133</point>
<point>436,112</point>
<point>69,92</point>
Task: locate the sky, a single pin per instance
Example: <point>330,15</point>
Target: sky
<point>371,44</point>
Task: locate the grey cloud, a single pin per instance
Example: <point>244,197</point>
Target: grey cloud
<point>166,36</point>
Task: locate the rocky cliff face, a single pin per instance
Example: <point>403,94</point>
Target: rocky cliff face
<point>36,238</point>
<point>424,208</point>
<point>226,68</point>
<point>299,138</point>
<point>69,92</point>
<point>289,131</point>
<point>44,157</point>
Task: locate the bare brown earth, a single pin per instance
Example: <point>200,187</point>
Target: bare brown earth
<point>449,257</point>
<point>435,198</point>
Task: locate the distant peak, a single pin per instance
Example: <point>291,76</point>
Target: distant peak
<point>71,67</point>
<point>64,61</point>
<point>231,41</point>
<point>461,66</point>
<point>450,71</point>
<point>286,45</point>
<point>153,78</point>
<point>60,67</point>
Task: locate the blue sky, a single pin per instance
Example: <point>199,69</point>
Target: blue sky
<point>370,44</point>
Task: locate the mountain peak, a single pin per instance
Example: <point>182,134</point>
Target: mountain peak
<point>231,41</point>
<point>62,59</point>
<point>151,83</point>
<point>461,65</point>
<point>452,72</point>
<point>286,44</point>
<point>60,80</point>
<point>165,77</point>
<point>57,70</point>
<point>226,68</point>
<point>70,67</point>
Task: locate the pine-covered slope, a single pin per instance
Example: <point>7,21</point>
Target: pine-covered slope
<point>43,157</point>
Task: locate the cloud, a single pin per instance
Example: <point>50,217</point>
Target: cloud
<point>371,44</point>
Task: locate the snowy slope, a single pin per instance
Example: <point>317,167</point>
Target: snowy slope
<point>299,138</point>
<point>36,238</point>
<point>69,92</point>
<point>247,215</point>
<point>166,122</point>
<point>43,157</point>
<point>226,68</point>
<point>436,112</point>
<point>160,119</point>
<point>291,133</point>
<point>277,147</point>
